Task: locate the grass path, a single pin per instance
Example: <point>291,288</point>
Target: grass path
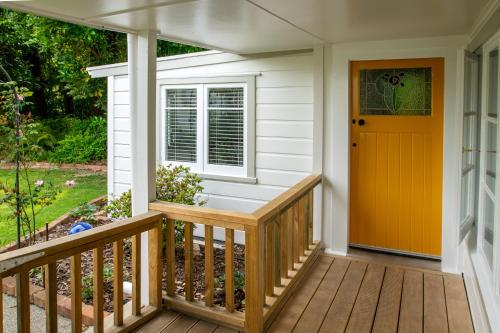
<point>89,185</point>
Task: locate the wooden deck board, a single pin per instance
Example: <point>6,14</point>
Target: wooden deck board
<point>387,316</point>
<point>457,305</point>
<point>361,319</point>
<point>435,316</point>
<point>290,314</point>
<point>320,303</point>
<point>337,317</point>
<point>348,295</point>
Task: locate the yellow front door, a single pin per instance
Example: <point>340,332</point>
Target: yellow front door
<point>396,155</point>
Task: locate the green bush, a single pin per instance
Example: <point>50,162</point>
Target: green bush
<point>173,184</point>
<point>84,142</point>
<point>84,212</point>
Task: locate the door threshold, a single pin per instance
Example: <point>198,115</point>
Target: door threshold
<point>398,258</point>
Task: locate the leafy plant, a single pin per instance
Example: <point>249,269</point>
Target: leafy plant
<point>21,141</point>
<point>88,282</point>
<point>85,142</point>
<point>239,280</point>
<point>121,207</point>
<point>173,184</point>
<point>84,212</point>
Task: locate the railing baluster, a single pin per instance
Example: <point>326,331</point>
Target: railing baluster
<point>76,293</point>
<point>290,240</point>
<point>301,225</point>
<point>283,244</point>
<point>229,256</point>
<point>209,265</point>
<point>51,298</point>
<point>276,253</point>
<point>188,261</point>
<point>269,259</point>
<point>98,296</point>
<point>310,215</point>
<point>296,237</point>
<point>136,275</point>
<point>23,302</point>
<point>155,265</point>
<point>170,256</point>
<point>118,282</point>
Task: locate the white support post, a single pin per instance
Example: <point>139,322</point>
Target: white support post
<point>142,90</point>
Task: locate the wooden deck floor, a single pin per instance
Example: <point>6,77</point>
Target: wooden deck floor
<point>346,295</point>
<point>172,322</point>
<point>349,295</point>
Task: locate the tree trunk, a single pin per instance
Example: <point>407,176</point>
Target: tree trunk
<point>39,100</point>
<point>69,106</point>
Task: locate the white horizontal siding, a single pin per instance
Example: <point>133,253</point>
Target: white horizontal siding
<point>284,129</point>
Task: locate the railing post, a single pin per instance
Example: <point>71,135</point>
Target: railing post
<point>155,265</point>
<point>254,279</point>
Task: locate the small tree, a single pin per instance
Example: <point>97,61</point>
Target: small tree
<point>173,184</point>
<point>19,138</point>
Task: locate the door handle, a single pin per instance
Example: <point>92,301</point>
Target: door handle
<point>361,122</point>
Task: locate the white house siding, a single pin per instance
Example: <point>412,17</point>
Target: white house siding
<point>284,128</point>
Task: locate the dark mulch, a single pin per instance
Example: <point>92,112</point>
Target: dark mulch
<point>63,270</point>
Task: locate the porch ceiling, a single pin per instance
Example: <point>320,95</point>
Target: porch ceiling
<point>253,26</point>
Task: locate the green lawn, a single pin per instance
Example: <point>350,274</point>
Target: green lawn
<point>89,185</point>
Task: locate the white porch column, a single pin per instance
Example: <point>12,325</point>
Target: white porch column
<point>142,90</point>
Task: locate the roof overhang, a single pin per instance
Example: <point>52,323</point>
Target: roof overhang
<point>256,26</point>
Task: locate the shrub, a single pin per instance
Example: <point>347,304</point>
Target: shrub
<point>84,212</point>
<point>85,142</point>
<point>239,280</point>
<point>173,184</point>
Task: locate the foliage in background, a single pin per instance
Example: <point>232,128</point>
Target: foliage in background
<point>37,194</point>
<point>84,142</point>
<point>173,184</point>
<point>52,56</point>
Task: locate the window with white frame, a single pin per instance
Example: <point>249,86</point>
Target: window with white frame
<point>206,127</point>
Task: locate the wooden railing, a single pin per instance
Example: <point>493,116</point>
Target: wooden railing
<point>20,262</point>
<point>279,248</point>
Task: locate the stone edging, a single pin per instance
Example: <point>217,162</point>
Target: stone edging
<point>37,297</point>
<point>41,232</point>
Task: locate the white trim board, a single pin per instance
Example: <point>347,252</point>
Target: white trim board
<point>337,136</point>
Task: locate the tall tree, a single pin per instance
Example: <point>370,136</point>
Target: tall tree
<point>49,57</point>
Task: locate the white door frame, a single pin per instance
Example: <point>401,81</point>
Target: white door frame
<point>337,133</point>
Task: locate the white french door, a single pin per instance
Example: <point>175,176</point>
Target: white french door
<point>470,144</point>
<point>488,237</point>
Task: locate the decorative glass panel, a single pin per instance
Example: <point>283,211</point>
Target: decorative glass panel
<point>225,126</point>
<point>181,123</point>
<point>398,91</point>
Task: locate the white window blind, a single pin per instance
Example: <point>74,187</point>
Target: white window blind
<point>181,124</point>
<point>226,108</point>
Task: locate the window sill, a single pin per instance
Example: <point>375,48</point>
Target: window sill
<point>226,178</point>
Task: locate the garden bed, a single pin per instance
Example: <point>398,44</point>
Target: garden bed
<point>63,269</point>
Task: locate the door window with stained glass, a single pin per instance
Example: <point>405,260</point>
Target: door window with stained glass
<point>397,91</point>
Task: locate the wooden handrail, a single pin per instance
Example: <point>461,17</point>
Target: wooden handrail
<point>284,200</point>
<point>278,250</point>
<point>33,256</point>
<point>203,215</point>
<point>21,261</point>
